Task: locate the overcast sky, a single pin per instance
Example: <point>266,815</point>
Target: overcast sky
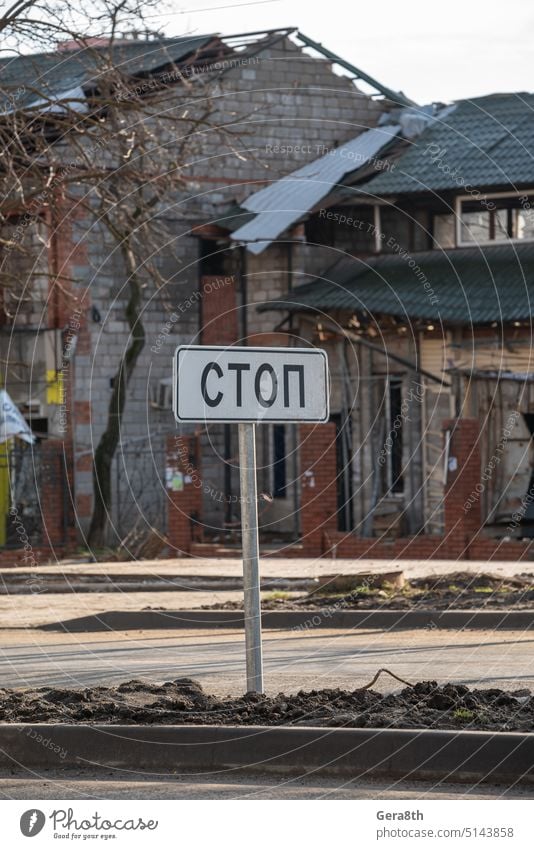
<point>431,51</point>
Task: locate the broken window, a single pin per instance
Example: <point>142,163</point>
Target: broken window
<point>496,219</point>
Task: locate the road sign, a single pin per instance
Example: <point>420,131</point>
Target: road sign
<point>219,384</point>
<point>249,386</point>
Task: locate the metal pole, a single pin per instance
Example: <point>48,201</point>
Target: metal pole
<point>251,569</point>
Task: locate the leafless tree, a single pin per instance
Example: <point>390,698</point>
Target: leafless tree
<point>104,149</point>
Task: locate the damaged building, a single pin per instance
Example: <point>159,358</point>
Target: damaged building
<point>414,270</point>
<point>63,338</point>
<point>337,214</point>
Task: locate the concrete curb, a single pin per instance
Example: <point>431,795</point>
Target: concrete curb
<point>305,620</point>
<point>59,584</point>
<point>463,756</point>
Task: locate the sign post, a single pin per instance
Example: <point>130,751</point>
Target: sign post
<point>250,386</point>
<point>251,556</point>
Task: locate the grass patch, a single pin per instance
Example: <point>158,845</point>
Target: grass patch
<point>276,595</point>
<point>464,715</point>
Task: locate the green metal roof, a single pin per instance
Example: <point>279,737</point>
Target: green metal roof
<point>487,141</point>
<point>461,286</point>
<point>52,74</point>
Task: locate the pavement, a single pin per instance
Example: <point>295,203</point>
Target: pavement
<point>103,785</point>
<point>182,583</point>
<point>293,660</point>
<point>271,567</point>
<point>31,611</point>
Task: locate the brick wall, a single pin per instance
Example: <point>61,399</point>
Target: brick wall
<point>462,539</point>
<point>51,532</point>
<point>463,476</point>
<point>184,505</point>
<point>219,315</point>
<point>317,452</point>
<point>58,526</point>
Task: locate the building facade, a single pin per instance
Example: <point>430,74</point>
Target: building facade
<point>273,104</point>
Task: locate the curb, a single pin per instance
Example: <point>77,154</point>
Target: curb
<point>60,584</point>
<point>305,620</point>
<point>461,756</point>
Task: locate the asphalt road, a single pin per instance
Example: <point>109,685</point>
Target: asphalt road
<point>293,660</point>
<point>106,786</point>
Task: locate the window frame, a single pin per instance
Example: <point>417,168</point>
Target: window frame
<point>494,195</point>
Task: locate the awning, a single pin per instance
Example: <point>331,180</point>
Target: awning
<point>461,286</point>
<point>286,201</point>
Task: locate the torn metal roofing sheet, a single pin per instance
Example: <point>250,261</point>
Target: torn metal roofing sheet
<point>73,99</point>
<point>285,201</point>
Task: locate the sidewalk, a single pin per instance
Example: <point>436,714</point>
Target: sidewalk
<point>275,567</point>
<point>31,611</point>
<point>61,591</point>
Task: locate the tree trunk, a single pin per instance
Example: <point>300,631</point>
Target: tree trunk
<point>109,440</point>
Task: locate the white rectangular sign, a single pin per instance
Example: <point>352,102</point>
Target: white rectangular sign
<point>225,384</point>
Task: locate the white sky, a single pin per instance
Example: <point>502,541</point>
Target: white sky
<point>431,51</point>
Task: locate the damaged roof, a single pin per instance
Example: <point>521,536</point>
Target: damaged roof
<point>458,286</point>
<point>28,77</point>
<point>286,201</point>
<point>483,142</point>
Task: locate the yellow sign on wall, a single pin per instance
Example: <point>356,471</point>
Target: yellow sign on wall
<point>55,387</point>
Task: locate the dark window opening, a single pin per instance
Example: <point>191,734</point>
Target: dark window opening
<point>388,445</point>
<point>526,512</point>
<point>396,422</point>
<point>39,426</point>
<point>320,231</point>
<point>279,461</point>
<point>342,226</point>
<point>345,516</point>
<point>212,258</point>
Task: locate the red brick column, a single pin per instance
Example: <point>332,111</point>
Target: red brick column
<point>67,307</point>
<point>184,494</point>
<point>218,310</point>
<point>57,529</point>
<point>462,515</point>
<point>317,453</point>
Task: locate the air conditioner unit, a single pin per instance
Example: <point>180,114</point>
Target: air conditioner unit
<point>31,409</point>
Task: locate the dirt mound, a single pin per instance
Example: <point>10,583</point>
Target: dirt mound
<point>184,702</point>
<point>456,591</point>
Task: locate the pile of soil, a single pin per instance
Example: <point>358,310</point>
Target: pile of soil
<point>180,702</point>
<point>456,591</point>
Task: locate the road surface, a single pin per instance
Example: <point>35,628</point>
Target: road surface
<point>293,660</point>
<point>104,786</point>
